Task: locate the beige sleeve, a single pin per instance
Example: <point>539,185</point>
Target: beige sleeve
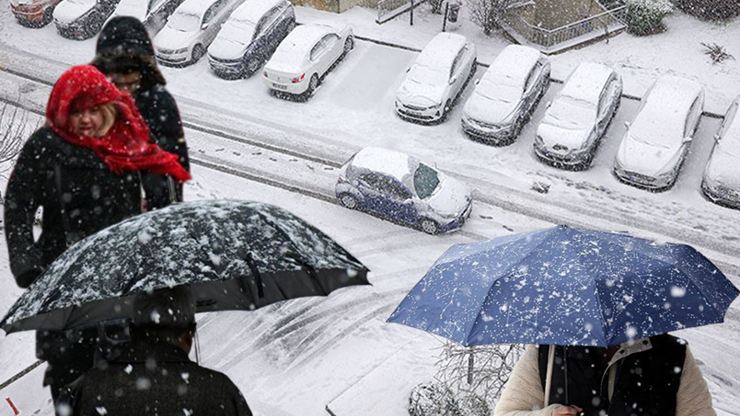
<point>693,397</point>
<point>523,394</point>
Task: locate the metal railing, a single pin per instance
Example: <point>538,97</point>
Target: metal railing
<point>548,38</point>
<point>386,7</point>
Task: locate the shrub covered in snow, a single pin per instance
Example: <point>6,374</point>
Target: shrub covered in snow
<point>489,14</point>
<point>710,9</point>
<point>645,17</point>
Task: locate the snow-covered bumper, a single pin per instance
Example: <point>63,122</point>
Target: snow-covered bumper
<point>29,13</point>
<point>721,194</point>
<point>488,132</point>
<point>227,68</point>
<point>560,155</point>
<point>174,57</point>
<point>655,183</point>
<point>458,220</point>
<point>418,113</point>
<point>297,85</point>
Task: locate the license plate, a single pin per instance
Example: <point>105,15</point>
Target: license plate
<point>279,86</point>
<point>412,112</point>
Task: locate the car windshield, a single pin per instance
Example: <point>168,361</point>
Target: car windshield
<point>572,113</point>
<point>426,181</point>
<point>184,22</point>
<point>240,31</point>
<point>422,74</point>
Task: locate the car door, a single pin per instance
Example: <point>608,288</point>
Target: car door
<point>368,184</point>
<point>333,45</point>
<point>396,201</point>
<point>211,21</point>
<point>269,31</point>
<point>456,77</point>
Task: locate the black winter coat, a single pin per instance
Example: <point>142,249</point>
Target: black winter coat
<point>79,195</point>
<point>156,379</point>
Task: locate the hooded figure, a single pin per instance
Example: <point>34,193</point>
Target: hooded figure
<point>83,169</point>
<point>125,54</point>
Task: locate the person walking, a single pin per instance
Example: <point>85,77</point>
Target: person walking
<point>125,54</point>
<point>154,375</point>
<point>82,169</point>
<point>651,376</point>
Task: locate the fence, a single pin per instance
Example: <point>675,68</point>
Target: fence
<point>548,38</point>
<point>388,9</point>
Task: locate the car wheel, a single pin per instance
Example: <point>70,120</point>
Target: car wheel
<point>312,85</point>
<point>473,68</point>
<point>48,17</point>
<point>198,52</point>
<point>349,44</point>
<point>348,201</point>
<point>429,226</point>
<point>291,25</point>
<point>446,110</point>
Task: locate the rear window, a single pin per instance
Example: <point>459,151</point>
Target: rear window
<point>425,181</point>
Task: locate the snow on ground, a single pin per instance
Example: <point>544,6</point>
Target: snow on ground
<point>298,357</point>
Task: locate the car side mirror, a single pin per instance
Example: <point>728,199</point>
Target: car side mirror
<point>716,138</point>
<point>549,103</point>
<point>687,139</point>
<point>453,80</point>
<point>204,26</point>
<point>477,81</point>
<point>627,124</point>
<point>408,69</point>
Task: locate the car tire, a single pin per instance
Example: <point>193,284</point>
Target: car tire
<point>446,110</point>
<point>348,201</point>
<point>429,226</point>
<point>349,44</point>
<point>198,53</point>
<point>291,26</point>
<point>48,17</point>
<point>312,85</point>
<point>473,68</point>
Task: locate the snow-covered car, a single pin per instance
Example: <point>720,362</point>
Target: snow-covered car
<point>656,142</point>
<point>506,95</point>
<point>401,188</point>
<point>249,37</point>
<point>152,13</point>
<point>577,118</point>
<point>721,182</point>
<point>190,29</point>
<point>436,78</point>
<point>33,13</point>
<point>306,55</point>
<point>82,19</point>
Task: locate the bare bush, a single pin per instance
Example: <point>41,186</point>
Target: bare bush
<point>716,52</point>
<point>13,124</point>
<point>489,14</point>
<point>469,381</point>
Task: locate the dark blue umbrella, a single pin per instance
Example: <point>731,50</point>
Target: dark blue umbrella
<point>566,286</point>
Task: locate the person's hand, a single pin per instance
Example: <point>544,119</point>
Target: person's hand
<point>566,411</point>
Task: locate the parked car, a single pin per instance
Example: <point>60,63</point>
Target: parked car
<point>506,95</point>
<point>33,13</point>
<point>153,13</point>
<point>721,183</point>
<point>656,143</point>
<point>574,123</point>
<point>436,78</point>
<point>190,29</point>
<point>305,56</point>
<point>249,37</point>
<point>82,19</point>
<point>403,189</point>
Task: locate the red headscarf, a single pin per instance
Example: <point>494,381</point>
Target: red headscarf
<point>126,145</point>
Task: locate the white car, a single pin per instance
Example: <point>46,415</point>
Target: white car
<point>305,56</point>
<point>506,95</point>
<point>82,19</point>
<point>721,182</point>
<point>436,78</point>
<point>152,13</point>
<point>574,123</point>
<point>656,143</point>
<point>190,29</point>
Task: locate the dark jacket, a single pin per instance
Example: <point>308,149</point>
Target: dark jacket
<point>646,384</point>
<point>124,42</point>
<point>79,195</point>
<point>156,379</point>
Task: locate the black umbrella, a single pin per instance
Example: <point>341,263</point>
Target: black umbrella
<point>233,255</point>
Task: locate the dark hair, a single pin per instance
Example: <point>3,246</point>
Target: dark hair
<point>165,310</point>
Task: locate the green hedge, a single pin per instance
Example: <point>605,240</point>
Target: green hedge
<point>710,9</point>
<point>645,17</point>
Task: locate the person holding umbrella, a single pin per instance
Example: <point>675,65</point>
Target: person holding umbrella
<point>652,376</point>
<point>83,168</point>
<point>154,375</point>
<point>124,53</point>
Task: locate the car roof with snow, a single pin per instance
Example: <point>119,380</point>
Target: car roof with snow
<point>512,65</point>
<point>587,81</point>
<point>665,108</point>
<point>253,10</point>
<point>389,162</point>
<point>441,51</point>
<point>305,36</point>
<point>197,7</point>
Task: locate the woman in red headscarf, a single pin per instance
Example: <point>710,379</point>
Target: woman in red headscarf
<point>83,169</point>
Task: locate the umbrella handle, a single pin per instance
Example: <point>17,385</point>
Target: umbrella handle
<point>548,377</point>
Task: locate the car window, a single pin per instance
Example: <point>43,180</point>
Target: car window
<point>393,189</point>
<point>329,40</point>
<point>371,180</point>
<point>214,10</point>
<point>688,128</point>
<point>729,117</point>
<point>605,94</point>
<point>154,5</point>
<point>457,60</point>
<point>531,78</point>
<point>426,180</point>
<point>316,50</point>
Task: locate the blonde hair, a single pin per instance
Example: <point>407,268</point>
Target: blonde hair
<point>108,111</point>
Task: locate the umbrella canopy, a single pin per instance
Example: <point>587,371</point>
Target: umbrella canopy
<point>233,255</point>
<point>566,286</point>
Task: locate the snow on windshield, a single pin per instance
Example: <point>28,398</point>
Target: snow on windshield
<point>184,22</point>
<point>572,113</point>
<point>426,75</point>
